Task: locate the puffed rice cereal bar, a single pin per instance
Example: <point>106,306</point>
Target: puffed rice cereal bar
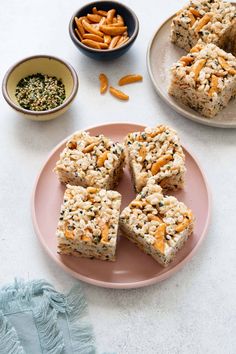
<point>88,223</point>
<point>156,152</point>
<point>158,224</point>
<point>91,161</point>
<point>212,21</point>
<point>205,79</point>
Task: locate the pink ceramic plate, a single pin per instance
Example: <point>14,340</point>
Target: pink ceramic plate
<point>132,268</point>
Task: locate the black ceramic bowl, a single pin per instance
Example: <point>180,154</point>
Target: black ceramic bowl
<point>130,19</point>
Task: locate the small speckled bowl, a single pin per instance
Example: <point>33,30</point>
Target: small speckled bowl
<point>43,64</point>
<point>130,19</point>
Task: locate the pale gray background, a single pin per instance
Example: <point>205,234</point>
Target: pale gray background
<point>195,310</point>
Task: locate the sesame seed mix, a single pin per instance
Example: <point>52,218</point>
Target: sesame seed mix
<point>157,223</point>
<point>157,153</point>
<point>91,161</point>
<point>40,92</point>
<point>88,222</point>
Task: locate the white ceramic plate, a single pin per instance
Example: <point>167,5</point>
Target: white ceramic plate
<point>161,55</point>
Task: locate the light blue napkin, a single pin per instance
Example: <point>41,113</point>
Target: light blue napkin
<point>36,319</point>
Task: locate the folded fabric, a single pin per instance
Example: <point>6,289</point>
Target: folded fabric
<point>36,319</point>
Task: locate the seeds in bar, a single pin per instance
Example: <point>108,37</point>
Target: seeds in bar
<point>204,79</point>
<point>158,224</point>
<point>94,161</point>
<point>212,21</point>
<point>157,153</point>
<point>88,223</point>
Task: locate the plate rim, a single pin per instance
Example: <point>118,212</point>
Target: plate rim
<point>191,116</point>
<point>124,285</point>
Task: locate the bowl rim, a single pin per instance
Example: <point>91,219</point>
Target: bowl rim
<point>20,109</point>
<point>114,50</point>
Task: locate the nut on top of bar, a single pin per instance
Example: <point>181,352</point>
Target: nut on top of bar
<point>204,79</point>
<point>91,161</point>
<point>88,222</point>
<point>209,20</point>
<point>204,64</point>
<point>157,223</point>
<point>156,152</point>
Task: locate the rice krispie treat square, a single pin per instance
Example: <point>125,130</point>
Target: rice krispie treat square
<point>212,21</point>
<point>158,224</point>
<point>204,79</point>
<point>156,153</point>
<point>88,223</point>
<point>91,161</point>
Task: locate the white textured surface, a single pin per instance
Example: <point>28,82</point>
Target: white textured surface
<point>195,310</point>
